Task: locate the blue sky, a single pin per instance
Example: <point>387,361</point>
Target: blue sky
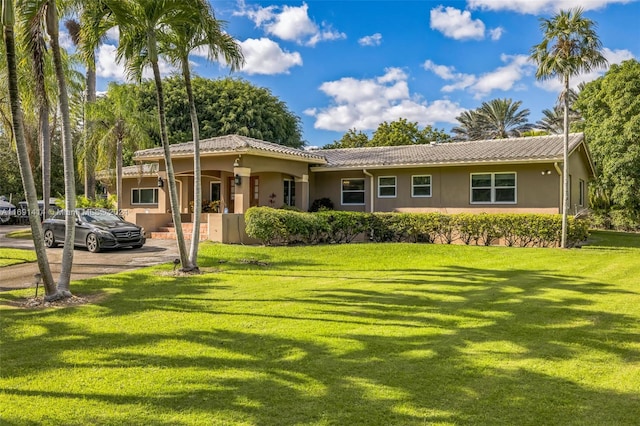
<point>355,63</point>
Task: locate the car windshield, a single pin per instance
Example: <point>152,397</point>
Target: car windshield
<point>99,216</point>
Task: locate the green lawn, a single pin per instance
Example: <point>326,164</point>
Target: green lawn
<point>23,234</point>
<point>361,334</point>
<point>15,256</point>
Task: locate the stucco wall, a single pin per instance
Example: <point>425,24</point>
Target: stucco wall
<point>450,189</point>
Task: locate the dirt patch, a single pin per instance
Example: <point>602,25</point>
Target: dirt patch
<point>39,302</point>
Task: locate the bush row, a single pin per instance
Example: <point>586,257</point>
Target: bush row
<point>277,227</point>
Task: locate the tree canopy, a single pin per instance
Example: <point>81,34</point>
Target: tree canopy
<point>495,119</point>
<point>396,133</point>
<point>225,106</point>
<point>610,106</point>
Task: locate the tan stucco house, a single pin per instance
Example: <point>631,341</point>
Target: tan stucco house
<point>519,175</point>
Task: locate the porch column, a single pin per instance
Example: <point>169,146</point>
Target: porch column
<point>302,193</point>
<point>242,200</point>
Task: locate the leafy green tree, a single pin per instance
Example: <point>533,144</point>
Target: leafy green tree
<point>352,139</point>
<point>176,44</point>
<point>569,46</point>
<point>226,106</point>
<point>402,132</point>
<point>118,122</point>
<point>495,119</point>
<point>7,17</point>
<point>610,106</point>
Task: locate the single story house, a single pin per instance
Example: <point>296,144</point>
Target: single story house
<point>515,175</point>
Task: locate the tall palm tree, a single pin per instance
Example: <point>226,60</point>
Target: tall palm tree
<point>177,44</point>
<point>52,25</point>
<point>570,46</point>
<point>496,119</point>
<point>553,119</point>
<point>88,160</point>
<point>33,18</point>
<point>8,20</point>
<point>118,121</point>
<point>140,22</point>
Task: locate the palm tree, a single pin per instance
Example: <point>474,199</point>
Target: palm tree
<point>570,46</point>
<point>118,121</point>
<point>8,20</point>
<point>140,23</point>
<point>88,160</point>
<point>471,127</point>
<point>496,119</point>
<point>553,119</point>
<point>33,18</point>
<point>177,44</point>
<point>52,25</point>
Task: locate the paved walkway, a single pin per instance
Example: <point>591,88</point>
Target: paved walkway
<point>85,264</point>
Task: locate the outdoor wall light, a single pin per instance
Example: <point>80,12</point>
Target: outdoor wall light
<point>238,179</point>
<point>546,172</point>
<point>160,182</point>
<point>237,162</point>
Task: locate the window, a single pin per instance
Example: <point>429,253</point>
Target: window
<point>144,196</point>
<point>493,188</point>
<point>386,187</point>
<point>215,191</point>
<point>581,187</point>
<point>421,186</point>
<point>353,191</point>
<point>289,192</point>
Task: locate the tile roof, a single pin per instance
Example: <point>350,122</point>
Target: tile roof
<point>146,169</point>
<point>231,144</point>
<point>484,151</point>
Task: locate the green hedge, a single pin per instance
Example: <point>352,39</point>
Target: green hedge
<point>277,227</point>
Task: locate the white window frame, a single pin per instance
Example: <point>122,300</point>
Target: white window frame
<point>289,200</point>
<point>493,188</point>
<point>342,191</point>
<point>155,196</point>
<point>394,186</point>
<point>430,186</point>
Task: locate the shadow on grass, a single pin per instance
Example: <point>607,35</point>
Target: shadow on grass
<point>456,344</point>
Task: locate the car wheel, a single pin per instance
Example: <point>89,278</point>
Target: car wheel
<point>50,239</point>
<point>93,245</point>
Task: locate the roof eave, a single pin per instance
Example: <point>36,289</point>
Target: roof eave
<point>437,164</point>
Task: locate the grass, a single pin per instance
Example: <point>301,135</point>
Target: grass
<point>371,334</point>
<point>10,257</point>
<point>22,234</point>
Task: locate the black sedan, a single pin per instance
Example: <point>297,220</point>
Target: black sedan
<point>96,229</point>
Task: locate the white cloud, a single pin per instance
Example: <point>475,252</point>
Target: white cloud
<point>264,56</point>
<point>502,78</point>
<point>613,57</point>
<point>108,67</point>
<point>456,24</point>
<point>496,33</point>
<point>371,40</point>
<point>291,23</point>
<point>364,104</point>
<point>113,34</point>
<point>536,7</point>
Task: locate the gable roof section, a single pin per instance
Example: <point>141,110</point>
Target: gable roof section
<point>232,144</point>
<point>494,151</point>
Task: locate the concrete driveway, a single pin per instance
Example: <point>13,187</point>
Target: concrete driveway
<point>85,264</point>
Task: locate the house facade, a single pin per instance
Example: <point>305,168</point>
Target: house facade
<point>516,175</point>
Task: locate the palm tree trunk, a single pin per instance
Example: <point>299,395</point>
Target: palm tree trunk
<point>89,160</point>
<point>197,170</point>
<point>565,166</point>
<point>171,178</point>
<point>119,176</point>
<point>51,293</point>
<point>64,281</point>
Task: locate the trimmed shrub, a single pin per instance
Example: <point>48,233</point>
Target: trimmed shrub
<point>273,226</point>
